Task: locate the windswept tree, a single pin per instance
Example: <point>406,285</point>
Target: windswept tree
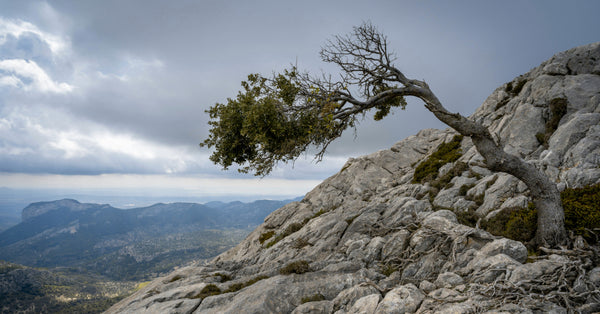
<point>277,118</point>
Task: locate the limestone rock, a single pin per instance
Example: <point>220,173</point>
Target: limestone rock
<point>404,299</point>
<point>375,242</point>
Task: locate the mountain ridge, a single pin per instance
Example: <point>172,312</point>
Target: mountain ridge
<point>67,233</point>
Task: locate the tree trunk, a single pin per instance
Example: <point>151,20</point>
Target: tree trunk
<point>551,230</point>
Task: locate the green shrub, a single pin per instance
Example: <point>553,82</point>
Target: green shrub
<point>516,89</point>
<point>239,286</point>
<point>224,277</point>
<point>582,210</point>
<point>313,298</point>
<point>467,218</point>
<point>319,213</point>
<point>582,216</point>
<point>300,243</point>
<point>518,224</point>
<point>427,170</point>
<point>443,182</point>
<point>266,236</point>
<point>297,267</point>
<point>207,291</point>
<point>293,227</point>
<point>478,199</point>
<point>464,189</point>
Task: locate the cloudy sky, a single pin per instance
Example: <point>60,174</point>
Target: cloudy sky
<point>111,94</point>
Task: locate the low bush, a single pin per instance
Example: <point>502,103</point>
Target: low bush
<point>239,286</point>
<point>313,298</point>
<point>514,223</point>
<point>207,291</point>
<point>224,277</point>
<point>293,227</point>
<point>427,170</point>
<point>266,236</point>
<point>297,267</point>
<point>467,218</point>
<point>582,210</point>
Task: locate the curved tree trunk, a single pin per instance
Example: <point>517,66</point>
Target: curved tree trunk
<point>365,61</point>
<point>551,230</point>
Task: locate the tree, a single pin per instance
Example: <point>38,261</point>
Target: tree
<point>277,118</point>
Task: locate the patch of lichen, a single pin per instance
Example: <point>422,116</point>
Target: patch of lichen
<point>427,170</point>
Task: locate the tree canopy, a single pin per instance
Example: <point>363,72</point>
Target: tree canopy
<point>277,118</point>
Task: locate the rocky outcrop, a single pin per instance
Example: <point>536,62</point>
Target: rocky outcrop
<point>369,240</point>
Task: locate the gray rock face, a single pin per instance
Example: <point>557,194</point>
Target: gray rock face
<point>375,243</point>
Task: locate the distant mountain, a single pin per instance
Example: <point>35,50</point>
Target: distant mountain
<point>127,244</point>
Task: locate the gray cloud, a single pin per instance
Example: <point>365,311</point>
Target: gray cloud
<point>139,74</point>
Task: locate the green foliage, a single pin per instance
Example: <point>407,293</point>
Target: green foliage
<point>384,109</point>
<point>516,89</point>
<point>297,267</point>
<point>313,298</point>
<point>319,213</point>
<point>427,170</point>
<point>514,223</point>
<point>266,236</point>
<point>444,181</point>
<point>239,286</point>
<point>467,217</point>
<point>582,216</point>
<point>224,277</point>
<point>260,126</point>
<point>207,291</point>
<point>293,227</point>
<point>582,210</point>
<point>300,243</point>
<point>464,189</point>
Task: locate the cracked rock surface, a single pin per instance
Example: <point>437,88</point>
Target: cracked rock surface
<point>375,243</point>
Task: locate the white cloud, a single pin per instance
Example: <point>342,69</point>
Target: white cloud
<point>28,75</point>
<point>17,28</point>
<point>55,137</point>
<point>198,186</point>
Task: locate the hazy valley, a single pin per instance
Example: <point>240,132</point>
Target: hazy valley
<point>66,254</point>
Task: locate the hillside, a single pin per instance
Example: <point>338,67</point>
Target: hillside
<point>133,244</point>
<point>386,235</point>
